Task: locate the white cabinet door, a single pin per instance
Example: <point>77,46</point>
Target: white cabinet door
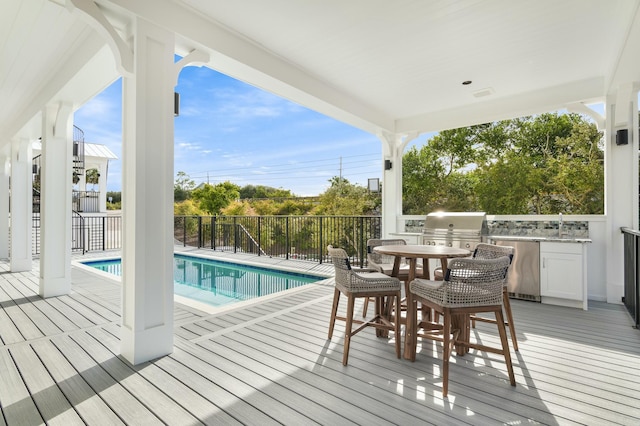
<point>561,275</point>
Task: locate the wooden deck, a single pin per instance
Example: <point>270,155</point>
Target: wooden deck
<point>270,363</point>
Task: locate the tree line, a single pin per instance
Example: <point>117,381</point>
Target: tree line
<point>541,164</point>
<point>226,198</point>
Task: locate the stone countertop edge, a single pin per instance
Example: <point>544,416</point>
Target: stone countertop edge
<point>533,238</point>
<point>516,238</point>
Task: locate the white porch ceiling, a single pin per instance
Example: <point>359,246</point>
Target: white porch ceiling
<point>395,66</point>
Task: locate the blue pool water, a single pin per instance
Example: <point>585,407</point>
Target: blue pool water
<point>220,283</point>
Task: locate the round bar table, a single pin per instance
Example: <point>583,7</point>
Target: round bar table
<point>413,253</point>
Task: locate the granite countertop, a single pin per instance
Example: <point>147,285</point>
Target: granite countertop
<point>565,239</point>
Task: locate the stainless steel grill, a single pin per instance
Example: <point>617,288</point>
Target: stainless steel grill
<point>453,229</point>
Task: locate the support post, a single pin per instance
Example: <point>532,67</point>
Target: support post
<point>147,205</point>
<point>55,203</point>
<point>621,182</point>
<point>21,206</point>
<point>4,206</point>
<point>102,187</point>
<point>393,146</point>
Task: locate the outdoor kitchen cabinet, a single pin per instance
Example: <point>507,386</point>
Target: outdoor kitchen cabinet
<point>563,274</point>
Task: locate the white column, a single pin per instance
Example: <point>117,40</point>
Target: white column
<point>55,203</point>
<point>82,183</point>
<point>4,206</point>
<point>102,187</point>
<point>621,183</point>
<point>21,206</point>
<point>147,192</point>
<point>393,146</point>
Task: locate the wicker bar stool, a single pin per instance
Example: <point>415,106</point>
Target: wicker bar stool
<point>384,263</point>
<point>490,251</point>
<point>470,286</point>
<point>386,290</point>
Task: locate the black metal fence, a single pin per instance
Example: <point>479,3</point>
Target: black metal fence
<point>88,233</point>
<point>631,297</point>
<point>102,232</point>
<point>290,237</point>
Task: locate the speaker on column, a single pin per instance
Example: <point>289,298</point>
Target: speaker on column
<point>622,137</point>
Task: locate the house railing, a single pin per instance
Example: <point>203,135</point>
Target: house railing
<point>631,297</point>
<point>289,237</point>
<point>88,233</point>
<point>86,201</point>
<point>77,232</point>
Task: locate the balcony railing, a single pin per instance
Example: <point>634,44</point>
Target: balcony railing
<point>88,233</point>
<point>86,201</point>
<point>631,297</point>
<point>289,237</point>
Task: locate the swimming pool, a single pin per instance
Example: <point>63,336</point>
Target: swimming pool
<point>220,283</point>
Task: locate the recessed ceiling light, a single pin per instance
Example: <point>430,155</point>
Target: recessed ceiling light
<point>466,82</point>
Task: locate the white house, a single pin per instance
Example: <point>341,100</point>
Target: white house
<point>93,199</point>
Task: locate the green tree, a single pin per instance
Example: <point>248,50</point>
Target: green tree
<point>187,208</point>
<point>238,208</point>
<point>116,196</point>
<point>114,200</point>
<point>182,187</point>
<point>261,191</point>
<point>422,174</point>
<point>265,207</point>
<point>542,164</point>
<point>213,198</point>
<point>506,187</point>
<point>92,177</point>
<point>344,198</point>
<point>579,171</point>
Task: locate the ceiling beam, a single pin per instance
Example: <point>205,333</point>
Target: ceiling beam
<point>239,58</point>
<point>540,101</point>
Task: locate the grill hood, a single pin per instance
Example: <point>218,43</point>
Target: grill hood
<point>454,222</point>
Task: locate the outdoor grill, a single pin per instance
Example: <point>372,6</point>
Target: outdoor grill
<point>453,229</point>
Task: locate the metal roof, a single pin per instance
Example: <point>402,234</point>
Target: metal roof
<point>98,150</point>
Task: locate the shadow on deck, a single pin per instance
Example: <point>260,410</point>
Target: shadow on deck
<point>269,362</point>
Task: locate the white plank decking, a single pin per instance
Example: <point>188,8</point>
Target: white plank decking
<point>270,363</point>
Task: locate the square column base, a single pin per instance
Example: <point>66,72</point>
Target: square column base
<point>146,345</point>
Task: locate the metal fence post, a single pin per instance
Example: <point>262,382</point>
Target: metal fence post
<point>259,234</point>
<point>361,249</point>
<point>213,232</point>
<point>287,247</point>
<point>104,233</point>
<point>321,241</point>
<point>199,231</point>
<point>235,235</point>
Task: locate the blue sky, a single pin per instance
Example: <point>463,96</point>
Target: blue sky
<point>228,130</point>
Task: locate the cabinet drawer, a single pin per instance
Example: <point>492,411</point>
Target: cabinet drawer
<point>553,247</point>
